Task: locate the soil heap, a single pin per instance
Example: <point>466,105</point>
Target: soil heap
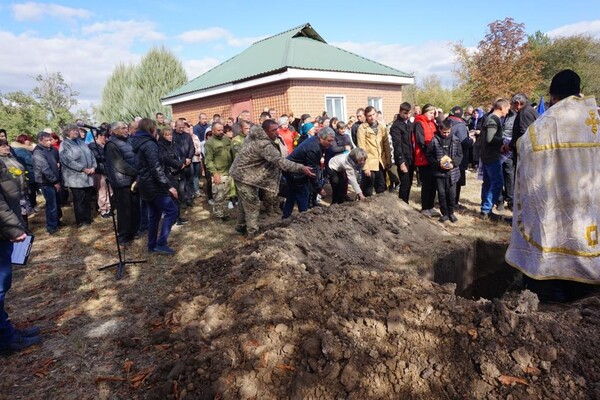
<point>339,303</point>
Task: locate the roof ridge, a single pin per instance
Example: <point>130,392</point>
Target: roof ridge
<point>296,29</point>
<point>373,61</point>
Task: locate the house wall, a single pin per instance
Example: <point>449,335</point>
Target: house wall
<point>297,96</point>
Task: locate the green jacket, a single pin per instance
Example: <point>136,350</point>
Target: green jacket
<point>218,155</point>
<point>237,143</point>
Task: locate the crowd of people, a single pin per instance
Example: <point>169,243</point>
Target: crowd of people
<point>150,170</point>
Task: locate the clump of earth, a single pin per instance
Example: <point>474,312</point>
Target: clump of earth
<point>343,303</point>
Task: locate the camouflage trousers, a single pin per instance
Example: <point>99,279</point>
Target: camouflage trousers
<point>271,202</point>
<point>248,207</point>
<point>220,194</point>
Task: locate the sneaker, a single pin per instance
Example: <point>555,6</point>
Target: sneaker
<point>181,221</point>
<point>453,218</point>
<point>19,343</point>
<point>230,205</point>
<point>29,332</point>
<point>500,206</point>
<point>163,250</point>
<point>491,216</point>
<point>427,213</point>
<point>444,218</point>
<point>106,215</point>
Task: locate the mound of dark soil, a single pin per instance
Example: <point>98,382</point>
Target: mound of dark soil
<point>338,304</point>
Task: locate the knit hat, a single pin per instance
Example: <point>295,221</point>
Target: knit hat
<point>565,83</point>
<point>305,128</point>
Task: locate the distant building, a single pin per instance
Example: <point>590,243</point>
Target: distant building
<point>294,71</point>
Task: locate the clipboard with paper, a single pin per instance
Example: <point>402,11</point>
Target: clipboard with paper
<point>21,251</point>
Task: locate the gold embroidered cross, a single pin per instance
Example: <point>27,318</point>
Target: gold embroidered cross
<point>591,234</point>
<point>593,122</point>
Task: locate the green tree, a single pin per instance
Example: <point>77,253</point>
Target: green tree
<point>21,113</point>
<point>430,90</point>
<point>56,96</point>
<point>133,91</point>
<point>581,53</point>
<point>502,65</point>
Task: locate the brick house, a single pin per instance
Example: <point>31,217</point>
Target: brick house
<point>294,71</point>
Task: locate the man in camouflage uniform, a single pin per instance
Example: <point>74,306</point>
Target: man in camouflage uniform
<point>258,166</point>
<point>218,158</point>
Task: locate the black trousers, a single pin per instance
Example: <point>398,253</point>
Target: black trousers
<point>508,172</point>
<point>82,204</point>
<point>188,178</point>
<point>428,187</point>
<point>375,181</point>
<point>208,187</point>
<point>405,183</point>
<point>446,194</point>
<point>339,186</point>
<point>127,204</point>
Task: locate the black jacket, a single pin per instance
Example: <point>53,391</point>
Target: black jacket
<point>184,144</point>
<point>171,160</point>
<point>152,180</point>
<point>120,162</point>
<point>45,165</point>
<point>308,153</point>
<point>98,152</point>
<point>461,131</point>
<point>524,118</point>
<point>440,147</point>
<point>401,133</point>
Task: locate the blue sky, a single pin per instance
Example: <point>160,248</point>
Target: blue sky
<point>86,40</point>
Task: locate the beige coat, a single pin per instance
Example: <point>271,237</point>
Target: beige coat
<point>377,146</point>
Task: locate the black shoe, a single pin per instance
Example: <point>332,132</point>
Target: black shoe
<point>491,216</point>
<point>225,218</point>
<point>162,250</point>
<point>181,221</point>
<point>444,218</point>
<point>29,332</point>
<point>453,218</point>
<point>241,230</point>
<point>19,343</point>
<point>500,206</point>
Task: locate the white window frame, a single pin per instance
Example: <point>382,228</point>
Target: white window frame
<point>343,105</point>
<point>372,101</point>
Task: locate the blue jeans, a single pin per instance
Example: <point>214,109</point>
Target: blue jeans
<point>53,212</point>
<point>297,194</point>
<point>6,329</point>
<point>160,206</point>
<point>492,185</point>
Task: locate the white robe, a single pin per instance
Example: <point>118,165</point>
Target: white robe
<point>557,195</point>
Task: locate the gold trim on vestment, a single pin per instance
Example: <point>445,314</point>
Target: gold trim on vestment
<point>551,277</point>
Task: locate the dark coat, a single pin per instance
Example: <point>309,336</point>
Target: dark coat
<point>11,221</point>
<point>171,160</point>
<point>524,118</point>
<point>184,144</point>
<point>98,152</point>
<point>440,147</point>
<point>461,131</point>
<point>308,153</point>
<point>152,180</point>
<point>402,141</point>
<point>45,166</point>
<point>120,162</point>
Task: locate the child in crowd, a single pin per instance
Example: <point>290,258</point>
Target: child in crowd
<point>444,155</point>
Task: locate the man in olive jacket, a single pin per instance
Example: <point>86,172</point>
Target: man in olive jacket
<point>258,166</point>
<point>11,230</point>
<point>219,157</point>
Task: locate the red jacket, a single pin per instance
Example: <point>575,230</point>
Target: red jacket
<point>429,129</point>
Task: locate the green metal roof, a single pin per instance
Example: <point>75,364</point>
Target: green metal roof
<point>301,47</point>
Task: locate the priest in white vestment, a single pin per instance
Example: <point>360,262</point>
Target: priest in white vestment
<point>555,228</point>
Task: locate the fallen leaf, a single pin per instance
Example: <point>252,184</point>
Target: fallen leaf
<point>109,379</point>
<point>509,380</point>
<point>284,367</point>
<point>473,333</point>
<point>531,370</point>
<point>42,370</point>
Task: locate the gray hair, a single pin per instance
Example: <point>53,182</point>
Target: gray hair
<point>116,125</point>
<point>69,128</point>
<point>326,132</point>
<point>358,155</point>
<point>519,98</point>
<point>283,120</point>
